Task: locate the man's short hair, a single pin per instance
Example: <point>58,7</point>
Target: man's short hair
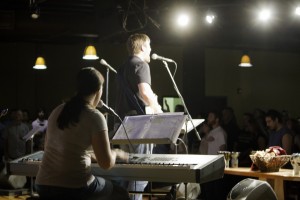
<point>274,114</point>
<point>135,43</point>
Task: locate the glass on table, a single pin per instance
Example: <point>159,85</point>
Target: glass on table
<point>295,161</point>
<point>227,155</point>
<point>234,159</point>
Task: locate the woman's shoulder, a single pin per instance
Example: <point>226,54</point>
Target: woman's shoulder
<point>93,113</point>
<point>94,118</point>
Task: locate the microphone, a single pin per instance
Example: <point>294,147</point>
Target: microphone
<point>103,62</point>
<point>102,107</point>
<point>157,57</point>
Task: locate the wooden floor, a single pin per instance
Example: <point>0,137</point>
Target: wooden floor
<point>14,197</point>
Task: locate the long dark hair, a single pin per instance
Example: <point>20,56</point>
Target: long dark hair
<point>89,81</point>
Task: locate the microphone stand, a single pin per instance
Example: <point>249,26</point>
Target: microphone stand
<point>108,68</point>
<point>32,194</point>
<point>106,86</point>
<point>180,96</point>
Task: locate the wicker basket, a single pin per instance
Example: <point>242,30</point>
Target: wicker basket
<point>270,163</point>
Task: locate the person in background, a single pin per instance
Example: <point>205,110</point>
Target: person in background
<point>250,139</point>
<point>217,137</point>
<point>204,131</point>
<point>77,134</point>
<point>40,124</point>
<point>179,108</point>
<point>41,120</point>
<point>26,118</point>
<point>260,118</point>
<point>294,126</point>
<point>279,135</point>
<point>213,141</point>
<point>229,124</point>
<point>135,93</point>
<point>14,144</point>
<point>2,127</point>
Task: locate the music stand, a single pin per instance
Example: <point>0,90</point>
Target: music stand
<point>190,125</point>
<point>29,136</point>
<point>144,129</point>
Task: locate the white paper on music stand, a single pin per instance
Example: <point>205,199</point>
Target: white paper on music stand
<point>158,129</point>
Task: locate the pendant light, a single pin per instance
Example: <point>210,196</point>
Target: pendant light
<point>245,61</point>
<point>40,63</point>
<point>90,53</point>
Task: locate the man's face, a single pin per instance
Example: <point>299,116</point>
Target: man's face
<point>211,119</point>
<point>18,116</point>
<point>147,51</point>
<point>271,124</point>
<point>41,114</point>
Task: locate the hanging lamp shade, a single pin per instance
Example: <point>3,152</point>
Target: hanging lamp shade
<point>245,61</point>
<point>40,63</point>
<point>90,53</point>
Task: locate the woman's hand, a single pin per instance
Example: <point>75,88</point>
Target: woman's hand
<point>122,155</point>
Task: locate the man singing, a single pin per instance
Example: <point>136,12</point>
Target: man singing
<point>135,92</point>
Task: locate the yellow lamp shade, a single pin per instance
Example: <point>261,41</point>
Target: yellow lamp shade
<point>245,61</point>
<point>40,63</point>
<point>90,53</point>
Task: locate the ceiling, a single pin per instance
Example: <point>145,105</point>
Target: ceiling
<point>111,21</point>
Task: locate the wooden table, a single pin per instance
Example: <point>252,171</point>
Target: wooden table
<point>275,179</point>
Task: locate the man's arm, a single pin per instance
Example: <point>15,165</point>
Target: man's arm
<point>287,143</point>
<point>149,98</point>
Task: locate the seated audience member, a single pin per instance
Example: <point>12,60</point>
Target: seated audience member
<point>40,124</point>
<point>2,127</point>
<point>279,135</point>
<point>14,144</point>
<point>179,108</point>
<point>250,139</point>
<point>215,141</point>
<point>26,118</point>
<point>204,130</point>
<point>217,137</point>
<point>77,133</point>
<point>297,143</point>
<point>294,126</point>
<point>260,119</point>
<point>229,124</point>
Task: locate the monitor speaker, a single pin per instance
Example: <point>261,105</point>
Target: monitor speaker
<point>252,189</point>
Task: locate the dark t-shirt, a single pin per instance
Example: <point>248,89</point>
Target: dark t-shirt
<point>131,73</point>
<point>275,137</point>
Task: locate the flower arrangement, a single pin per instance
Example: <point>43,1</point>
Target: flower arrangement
<point>270,160</point>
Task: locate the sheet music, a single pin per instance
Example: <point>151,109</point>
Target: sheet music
<point>158,129</point>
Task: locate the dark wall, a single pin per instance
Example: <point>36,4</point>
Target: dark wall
<point>194,83</point>
<point>23,87</point>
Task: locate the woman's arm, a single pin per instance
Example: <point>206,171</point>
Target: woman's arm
<point>106,157</point>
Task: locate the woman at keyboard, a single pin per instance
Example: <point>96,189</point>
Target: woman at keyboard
<point>74,129</point>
